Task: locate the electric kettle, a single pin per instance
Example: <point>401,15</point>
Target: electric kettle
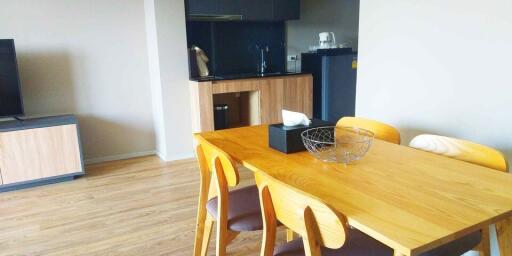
<point>201,60</point>
<point>327,40</point>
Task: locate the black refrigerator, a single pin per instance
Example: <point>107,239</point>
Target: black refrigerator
<point>334,82</point>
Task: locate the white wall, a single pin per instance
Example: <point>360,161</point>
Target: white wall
<point>155,78</point>
<point>88,58</point>
<point>338,16</point>
<point>438,66</point>
<point>169,78</point>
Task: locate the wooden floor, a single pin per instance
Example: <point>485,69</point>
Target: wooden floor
<point>141,206</point>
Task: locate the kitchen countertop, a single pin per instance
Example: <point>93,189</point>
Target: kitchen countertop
<point>245,76</point>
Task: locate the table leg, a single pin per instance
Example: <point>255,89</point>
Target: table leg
<point>484,248</point>
<point>504,232</point>
<point>397,253</point>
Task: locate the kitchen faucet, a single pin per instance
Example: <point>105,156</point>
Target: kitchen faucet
<point>263,65</point>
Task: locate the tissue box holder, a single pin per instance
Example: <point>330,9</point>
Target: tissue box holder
<point>287,139</point>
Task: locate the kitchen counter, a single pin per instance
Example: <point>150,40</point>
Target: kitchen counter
<point>245,76</point>
<point>252,99</point>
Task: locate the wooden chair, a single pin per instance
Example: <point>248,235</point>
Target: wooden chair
<point>381,130</point>
<point>477,154</point>
<point>234,211</point>
<point>323,230</point>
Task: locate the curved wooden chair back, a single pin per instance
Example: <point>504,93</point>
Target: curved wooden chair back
<point>212,158</point>
<point>382,131</point>
<point>462,150</point>
<point>317,223</point>
<point>219,168</point>
<point>477,154</point>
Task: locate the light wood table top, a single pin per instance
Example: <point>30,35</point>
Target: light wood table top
<point>408,199</point>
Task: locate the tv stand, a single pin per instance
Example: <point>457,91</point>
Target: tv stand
<point>39,151</point>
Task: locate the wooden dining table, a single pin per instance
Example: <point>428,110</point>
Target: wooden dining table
<point>410,200</point>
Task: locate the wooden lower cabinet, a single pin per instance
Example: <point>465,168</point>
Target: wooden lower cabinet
<point>298,95</point>
<point>290,93</point>
<point>39,151</point>
<point>294,93</point>
<point>271,100</point>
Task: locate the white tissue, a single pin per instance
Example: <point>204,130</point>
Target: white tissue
<point>291,118</point>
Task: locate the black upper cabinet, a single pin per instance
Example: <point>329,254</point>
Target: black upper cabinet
<point>229,7</point>
<point>257,10</point>
<point>214,7</point>
<point>202,7</point>
<point>286,9</point>
<point>249,9</point>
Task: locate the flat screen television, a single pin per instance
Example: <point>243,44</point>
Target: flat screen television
<point>11,102</point>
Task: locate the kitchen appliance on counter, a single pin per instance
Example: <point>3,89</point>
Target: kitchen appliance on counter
<point>334,82</point>
<point>327,40</point>
<point>201,61</point>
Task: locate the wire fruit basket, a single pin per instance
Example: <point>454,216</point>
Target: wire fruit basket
<point>338,144</point>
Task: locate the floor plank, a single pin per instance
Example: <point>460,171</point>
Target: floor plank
<point>140,206</point>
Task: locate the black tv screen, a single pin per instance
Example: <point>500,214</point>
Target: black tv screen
<point>11,103</point>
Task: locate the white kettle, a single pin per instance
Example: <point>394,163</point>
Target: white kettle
<point>327,40</point>
<point>202,61</point>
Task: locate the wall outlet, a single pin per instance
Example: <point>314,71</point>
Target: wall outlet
<point>293,57</point>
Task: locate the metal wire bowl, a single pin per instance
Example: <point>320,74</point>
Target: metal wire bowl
<point>337,144</point>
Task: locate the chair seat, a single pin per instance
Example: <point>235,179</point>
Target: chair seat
<point>360,244</point>
<point>357,244</point>
<point>244,213</point>
<point>457,247</point>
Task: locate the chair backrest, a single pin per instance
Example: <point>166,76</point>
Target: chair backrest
<point>306,215</point>
<point>461,150</point>
<point>382,131</point>
<point>211,157</point>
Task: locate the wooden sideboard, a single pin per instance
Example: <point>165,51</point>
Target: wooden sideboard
<point>252,101</point>
<point>39,151</point>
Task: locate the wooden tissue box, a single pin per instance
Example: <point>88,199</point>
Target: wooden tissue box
<point>288,139</point>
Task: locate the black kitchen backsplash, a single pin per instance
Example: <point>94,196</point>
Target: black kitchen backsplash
<point>232,46</point>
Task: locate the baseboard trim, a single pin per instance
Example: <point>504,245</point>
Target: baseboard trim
<point>178,157</point>
<point>102,159</point>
